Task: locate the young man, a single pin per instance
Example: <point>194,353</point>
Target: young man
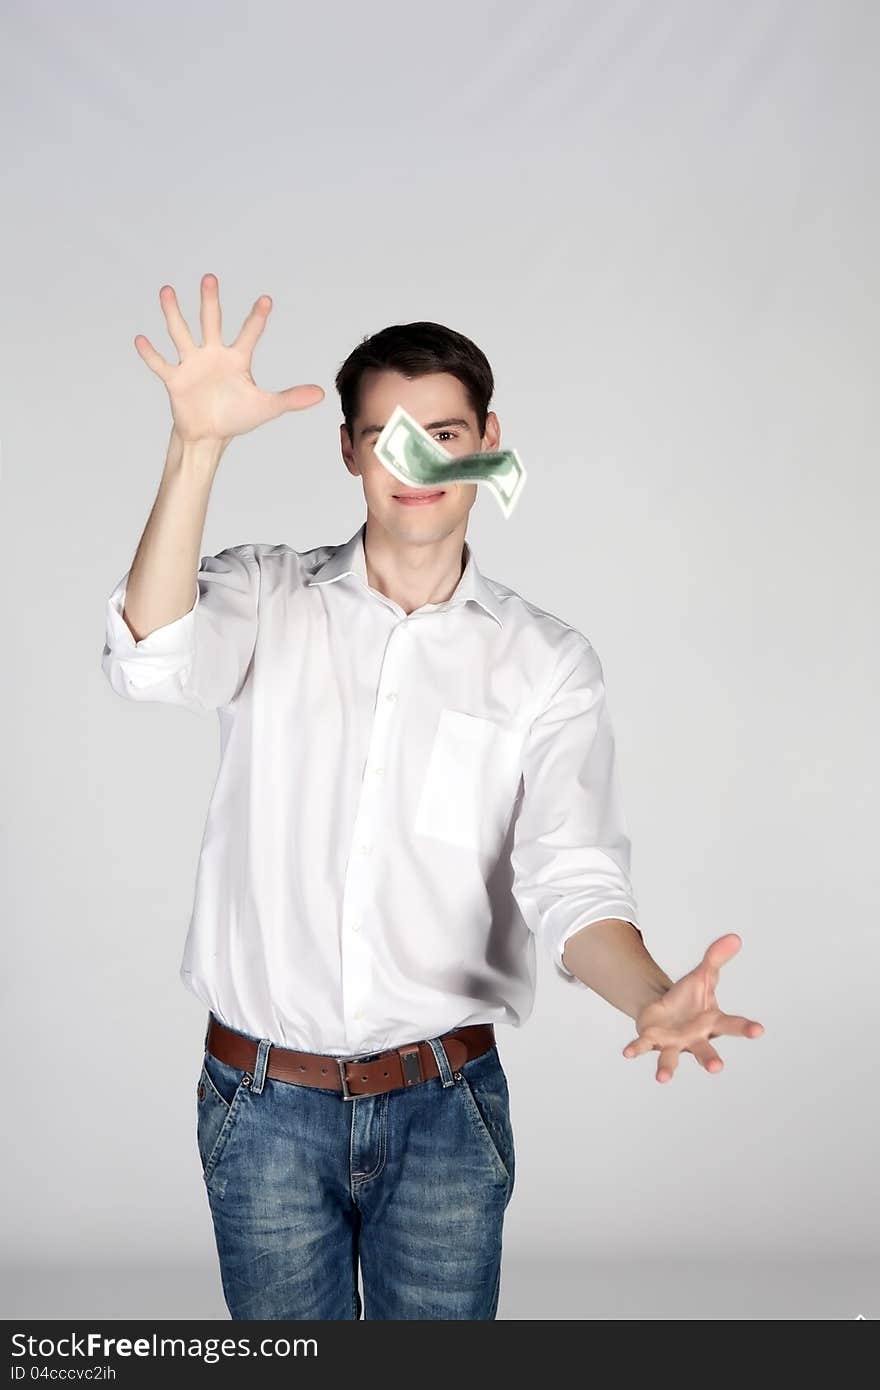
<point>417,781</point>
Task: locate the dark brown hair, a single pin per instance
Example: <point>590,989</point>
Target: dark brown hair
<point>415,349</point>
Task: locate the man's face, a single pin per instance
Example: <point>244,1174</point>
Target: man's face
<point>439,403</point>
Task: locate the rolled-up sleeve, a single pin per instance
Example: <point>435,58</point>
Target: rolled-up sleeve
<point>571,847</point>
<point>200,660</point>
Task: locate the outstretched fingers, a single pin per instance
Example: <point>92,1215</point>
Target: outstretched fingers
<point>209,310</point>
<point>667,1063</point>
<point>721,950</point>
<point>734,1025</point>
<point>295,398</point>
<point>154,360</point>
<point>178,327</point>
<point>706,1055</point>
<point>253,326</point>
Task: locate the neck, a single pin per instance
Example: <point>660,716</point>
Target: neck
<point>413,573</point>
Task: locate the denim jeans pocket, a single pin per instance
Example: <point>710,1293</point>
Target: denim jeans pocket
<point>486,1098</point>
<point>220,1093</point>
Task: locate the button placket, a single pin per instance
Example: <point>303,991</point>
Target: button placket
<point>356,957</point>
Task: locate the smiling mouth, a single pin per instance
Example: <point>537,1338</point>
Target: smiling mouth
<point>422,496</point>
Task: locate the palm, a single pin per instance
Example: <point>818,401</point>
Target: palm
<point>213,393</point>
<point>687,1016</point>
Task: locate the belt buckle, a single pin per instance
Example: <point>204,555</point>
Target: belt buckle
<point>340,1062</point>
<point>410,1064</point>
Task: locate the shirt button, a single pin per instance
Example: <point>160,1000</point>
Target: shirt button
<point>355,926</point>
<point>358,1013</point>
<point>377,771</point>
<point>365,849</point>
<point>392,695</point>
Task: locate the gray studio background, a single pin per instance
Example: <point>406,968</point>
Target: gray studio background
<point>660,222</point>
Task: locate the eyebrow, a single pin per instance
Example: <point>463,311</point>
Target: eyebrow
<point>434,425</point>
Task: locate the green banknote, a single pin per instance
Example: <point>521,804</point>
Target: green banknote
<point>415,458</point>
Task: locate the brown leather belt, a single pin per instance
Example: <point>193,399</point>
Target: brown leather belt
<point>406,1065</point>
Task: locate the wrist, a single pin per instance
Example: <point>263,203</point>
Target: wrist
<point>194,455</point>
<point>652,994</point>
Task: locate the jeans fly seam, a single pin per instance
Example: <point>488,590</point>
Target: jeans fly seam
<point>358,1179</point>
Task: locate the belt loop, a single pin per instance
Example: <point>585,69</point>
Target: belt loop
<point>260,1065</point>
<point>439,1051</point>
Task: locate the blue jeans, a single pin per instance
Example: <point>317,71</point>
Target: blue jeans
<point>303,1185</point>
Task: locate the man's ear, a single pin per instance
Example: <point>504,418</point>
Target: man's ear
<point>492,433</point>
<point>347,451</point>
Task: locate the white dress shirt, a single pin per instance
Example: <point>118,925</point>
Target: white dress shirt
<point>404,802</point>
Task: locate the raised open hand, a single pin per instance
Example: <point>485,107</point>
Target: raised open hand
<point>688,1015</point>
<point>213,395</point>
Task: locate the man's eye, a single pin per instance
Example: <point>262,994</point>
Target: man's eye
<point>451,433</point>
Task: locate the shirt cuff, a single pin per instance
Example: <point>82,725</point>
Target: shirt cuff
<point>166,651</point>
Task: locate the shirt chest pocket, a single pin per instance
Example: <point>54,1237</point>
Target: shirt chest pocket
<point>470,782</point>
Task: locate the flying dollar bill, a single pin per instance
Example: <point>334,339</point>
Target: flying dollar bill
<point>415,458</point>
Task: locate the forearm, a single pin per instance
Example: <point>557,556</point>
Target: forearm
<point>612,959</point>
<point>162,581</point>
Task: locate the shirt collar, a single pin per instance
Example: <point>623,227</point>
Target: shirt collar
<point>349,558</point>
